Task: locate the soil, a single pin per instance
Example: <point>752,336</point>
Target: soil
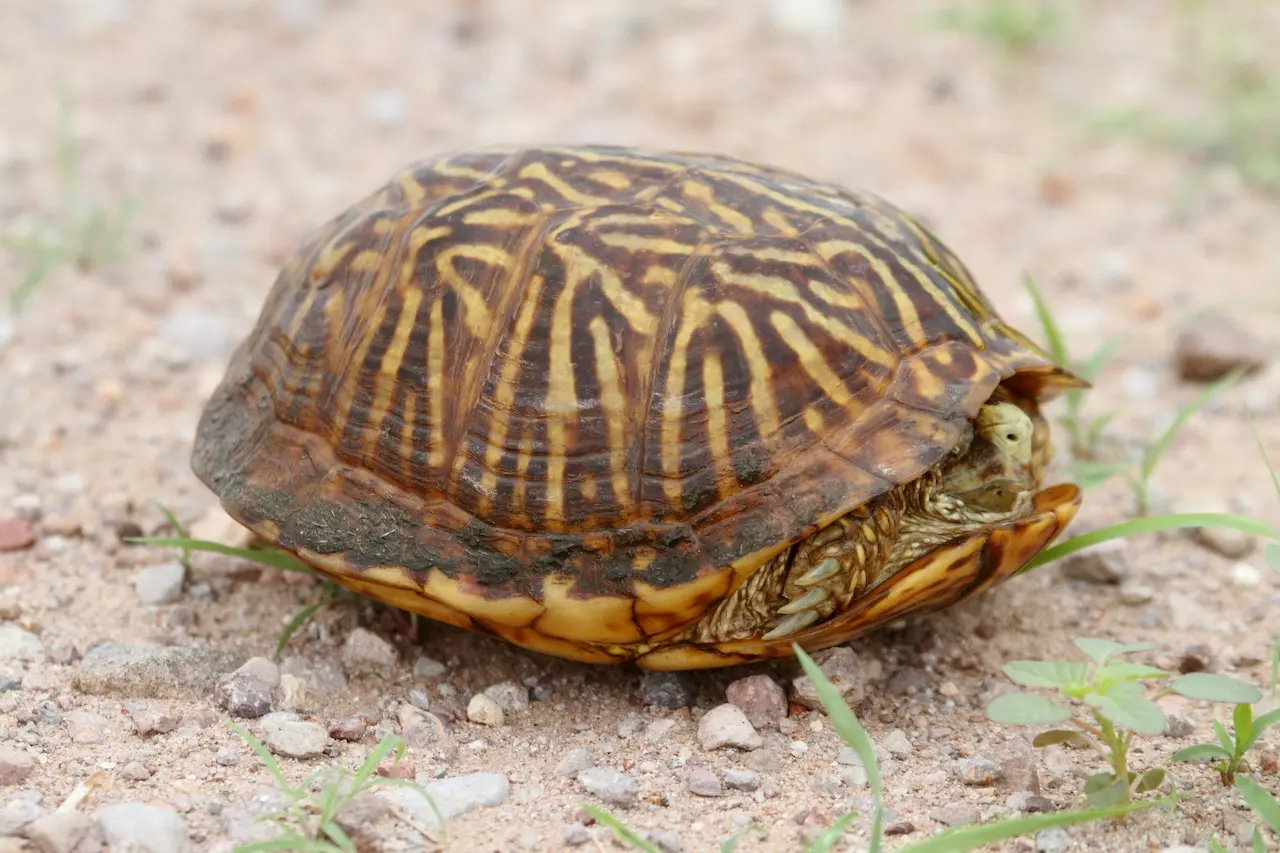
<point>241,125</point>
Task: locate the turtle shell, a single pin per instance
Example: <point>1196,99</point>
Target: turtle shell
<point>574,396</point>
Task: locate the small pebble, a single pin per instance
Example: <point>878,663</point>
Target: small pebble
<point>977,770</point>
<point>956,814</point>
<point>142,826</point>
<point>741,780</point>
<point>574,763</point>
<point>897,744</point>
<point>703,782</point>
<point>1213,345</point>
<point>665,840</point>
<point>16,534</point>
<point>1178,726</point>
<point>760,697</point>
<point>15,765</point>
<point>294,738</point>
<point>135,771</point>
<point>250,690</point>
<point>611,786</point>
<point>426,667</point>
<point>86,727</point>
<point>364,648</point>
<point>348,728</point>
<point>484,710</point>
<point>160,584</point>
<point>61,832</point>
<point>726,725</point>
<point>19,644</point>
<point>511,697</point>
<point>1246,575</point>
<point>657,730</point>
<point>226,756</point>
<point>1055,839</point>
<point>850,673</point>
<point>665,689</point>
<point>151,719</point>
<point>1135,593</point>
<point>1105,564</point>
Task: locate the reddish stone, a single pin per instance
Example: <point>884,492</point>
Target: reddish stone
<point>16,534</point>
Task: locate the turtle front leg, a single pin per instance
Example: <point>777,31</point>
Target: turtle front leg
<point>831,567</point>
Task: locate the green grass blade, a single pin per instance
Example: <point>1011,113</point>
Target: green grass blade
<point>1197,752</point>
<point>1054,342</point>
<point>826,842</point>
<point>299,619</point>
<point>1152,524</point>
<point>1261,801</point>
<point>271,558</point>
<point>1259,726</point>
<point>620,830</point>
<point>966,838</point>
<point>846,724</point>
<point>1151,457</point>
<point>384,748</point>
<point>268,760</point>
<point>1275,479</point>
<point>339,837</point>
<point>291,843</point>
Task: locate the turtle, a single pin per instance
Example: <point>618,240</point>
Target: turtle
<point>615,404</point>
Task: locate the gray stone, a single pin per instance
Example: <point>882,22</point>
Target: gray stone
<point>848,672</point>
<point>665,840</point>
<point>1214,345</point>
<point>324,677</point>
<point>426,667</point>
<point>977,770</point>
<point>1018,771</point>
<point>1055,839</point>
<point>1106,563</point>
<point>574,763</point>
<point>226,756</point>
<point>611,786</point>
<point>61,832</point>
<point>364,648</point>
<point>1178,726</point>
<point>484,710</point>
<point>135,771</point>
<point>726,725</point>
<point>511,697</point>
<point>452,797</point>
<point>86,727</point>
<point>764,761</point>
<point>143,827</point>
<point>419,727</point>
<point>575,834</point>
<point>897,744</point>
<point>760,697</point>
<point>140,672</point>
<point>18,811</point>
<point>160,584</point>
<point>19,644</point>
<point>351,728</point>
<point>285,735</point>
<point>630,725</point>
<point>657,730</point>
<point>738,779</point>
<point>956,814</point>
<point>249,691</point>
<point>15,765</point>
<point>703,782</point>
<point>854,777</point>
<point>151,719</point>
<point>665,689</point>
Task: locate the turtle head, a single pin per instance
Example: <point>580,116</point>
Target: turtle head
<point>994,465</point>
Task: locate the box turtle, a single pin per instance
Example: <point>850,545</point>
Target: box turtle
<point>624,405</point>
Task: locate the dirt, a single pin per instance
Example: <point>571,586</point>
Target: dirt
<point>244,124</point>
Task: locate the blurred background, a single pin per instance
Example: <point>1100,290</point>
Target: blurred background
<point>159,160</point>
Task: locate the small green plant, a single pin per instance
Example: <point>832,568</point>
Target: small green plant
<point>1228,754</point>
<point>82,232</point>
<point>1015,28</point>
<point>270,557</point>
<point>955,840</point>
<point>1108,707</point>
<point>308,823</point>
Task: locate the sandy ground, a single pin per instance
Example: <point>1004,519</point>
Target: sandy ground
<point>243,123</point>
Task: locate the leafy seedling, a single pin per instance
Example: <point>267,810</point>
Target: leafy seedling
<point>308,822</point>
<point>1107,707</point>
<point>1228,754</point>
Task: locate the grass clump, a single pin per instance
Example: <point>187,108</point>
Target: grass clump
<point>1228,755</point>
<point>1107,706</point>
<point>1014,28</point>
<point>82,232</point>
<point>308,823</point>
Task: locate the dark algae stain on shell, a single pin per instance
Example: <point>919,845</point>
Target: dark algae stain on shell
<point>595,373</point>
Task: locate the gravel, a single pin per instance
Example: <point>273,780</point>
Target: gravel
<point>364,649</point>
<point>665,689</point>
<point>897,744</point>
<point>150,719</point>
<point>703,782</point>
<point>511,697</point>
<point>574,763</point>
<point>143,672</point>
<point>19,644</point>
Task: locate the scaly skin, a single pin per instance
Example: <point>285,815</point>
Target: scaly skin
<point>989,478</point>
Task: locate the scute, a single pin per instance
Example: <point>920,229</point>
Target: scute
<point>597,370</point>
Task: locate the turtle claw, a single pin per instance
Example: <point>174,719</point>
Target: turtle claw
<point>826,569</point>
<point>793,623</point>
<point>808,601</point>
